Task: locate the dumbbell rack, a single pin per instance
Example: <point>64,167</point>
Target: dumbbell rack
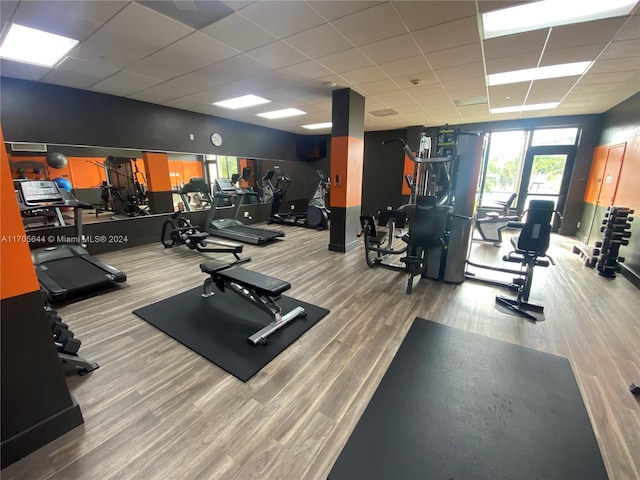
<point>615,233</point>
<point>66,344</point>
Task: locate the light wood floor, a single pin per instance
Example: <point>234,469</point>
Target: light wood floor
<point>156,410</point>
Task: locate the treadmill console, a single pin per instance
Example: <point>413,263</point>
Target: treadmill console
<point>224,185</point>
<point>39,192</point>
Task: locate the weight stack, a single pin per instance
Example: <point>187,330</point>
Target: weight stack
<point>615,234</point>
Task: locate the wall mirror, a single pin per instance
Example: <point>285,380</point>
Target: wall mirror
<point>116,182</point>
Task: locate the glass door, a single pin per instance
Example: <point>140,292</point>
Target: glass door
<point>546,176</point>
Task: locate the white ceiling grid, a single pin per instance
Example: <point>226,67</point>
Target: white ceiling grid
<point>422,59</point>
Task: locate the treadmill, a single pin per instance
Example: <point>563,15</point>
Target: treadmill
<point>231,227</point>
<point>64,271</point>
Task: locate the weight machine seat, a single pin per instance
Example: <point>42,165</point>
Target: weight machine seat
<point>530,245</point>
<point>260,290</point>
<point>258,282</point>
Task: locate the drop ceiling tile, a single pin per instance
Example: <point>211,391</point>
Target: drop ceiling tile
<point>433,91</point>
<point>133,33</point>
<point>616,65</point>
<point>152,97</point>
<point>475,84</point>
<point>70,79</point>
<point>391,49</point>
<point>406,66</point>
<point>594,88</point>
<point>371,25</point>
<point>448,35</point>
<point>395,96</point>
<point>194,13</point>
<point>306,70</point>
<point>334,9</point>
<point>172,89</point>
<point>516,45</point>
<point>512,90</point>
<point>365,75</point>
<point>345,61</point>
<point>508,64</point>
<point>582,53</point>
<point>319,41</point>
<point>609,77</point>
<point>9,68</point>
<point>461,72</point>
<point>424,78</point>
<point>455,56</point>
<point>226,31</point>
<point>186,55</point>
<point>283,18</point>
<point>71,19</point>
<point>586,33</point>
<point>473,110</point>
<point>7,9</point>
<point>385,93</point>
<point>418,15</point>
<point>240,66</point>
<point>278,55</point>
<point>625,48</point>
<point>124,83</point>
<point>184,103</point>
<point>237,4</point>
<point>630,30</point>
<point>552,87</point>
<point>204,79</point>
<point>75,65</point>
<point>273,79</point>
<point>499,101</point>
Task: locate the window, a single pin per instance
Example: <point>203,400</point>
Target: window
<point>554,136</point>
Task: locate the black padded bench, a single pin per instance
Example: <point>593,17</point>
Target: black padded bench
<point>257,288</point>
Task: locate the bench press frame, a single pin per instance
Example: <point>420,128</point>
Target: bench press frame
<point>262,296</point>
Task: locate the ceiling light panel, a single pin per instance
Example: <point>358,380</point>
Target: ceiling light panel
<point>526,108</point>
<point>287,112</point>
<point>551,71</point>
<point>28,45</point>
<point>241,102</point>
<point>550,13</point>
<point>318,126</point>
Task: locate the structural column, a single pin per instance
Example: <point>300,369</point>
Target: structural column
<point>347,153</point>
<point>156,166</point>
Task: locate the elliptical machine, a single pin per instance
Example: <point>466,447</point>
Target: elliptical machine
<point>317,214</point>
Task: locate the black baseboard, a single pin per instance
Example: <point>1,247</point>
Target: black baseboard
<point>31,439</point>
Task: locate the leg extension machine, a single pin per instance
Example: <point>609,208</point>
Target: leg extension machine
<point>258,289</point>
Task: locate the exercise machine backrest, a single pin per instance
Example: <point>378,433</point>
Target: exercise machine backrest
<point>536,230</point>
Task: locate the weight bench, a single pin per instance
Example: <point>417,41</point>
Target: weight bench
<point>258,289</point>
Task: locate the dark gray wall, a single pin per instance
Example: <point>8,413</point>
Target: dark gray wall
<point>43,113</point>
<point>621,123</point>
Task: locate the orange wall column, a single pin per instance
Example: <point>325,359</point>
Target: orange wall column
<point>347,155</point>
<point>36,405</point>
<point>156,166</point>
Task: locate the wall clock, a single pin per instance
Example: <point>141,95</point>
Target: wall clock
<point>216,139</point>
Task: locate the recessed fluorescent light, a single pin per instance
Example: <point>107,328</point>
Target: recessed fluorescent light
<point>552,71</point>
<point>526,108</point>
<point>287,112</point>
<point>317,126</point>
<point>241,102</point>
<point>550,13</point>
<point>29,45</point>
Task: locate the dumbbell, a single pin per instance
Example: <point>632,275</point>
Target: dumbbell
<point>69,346</point>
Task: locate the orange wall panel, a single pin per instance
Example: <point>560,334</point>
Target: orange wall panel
<point>156,170</point>
<point>594,183</point>
<point>86,175</point>
<point>628,191</point>
<point>17,274</point>
<point>346,163</point>
<point>191,170</point>
<point>409,167</point>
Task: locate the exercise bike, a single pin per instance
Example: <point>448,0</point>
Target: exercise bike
<point>182,232</point>
<point>492,223</point>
